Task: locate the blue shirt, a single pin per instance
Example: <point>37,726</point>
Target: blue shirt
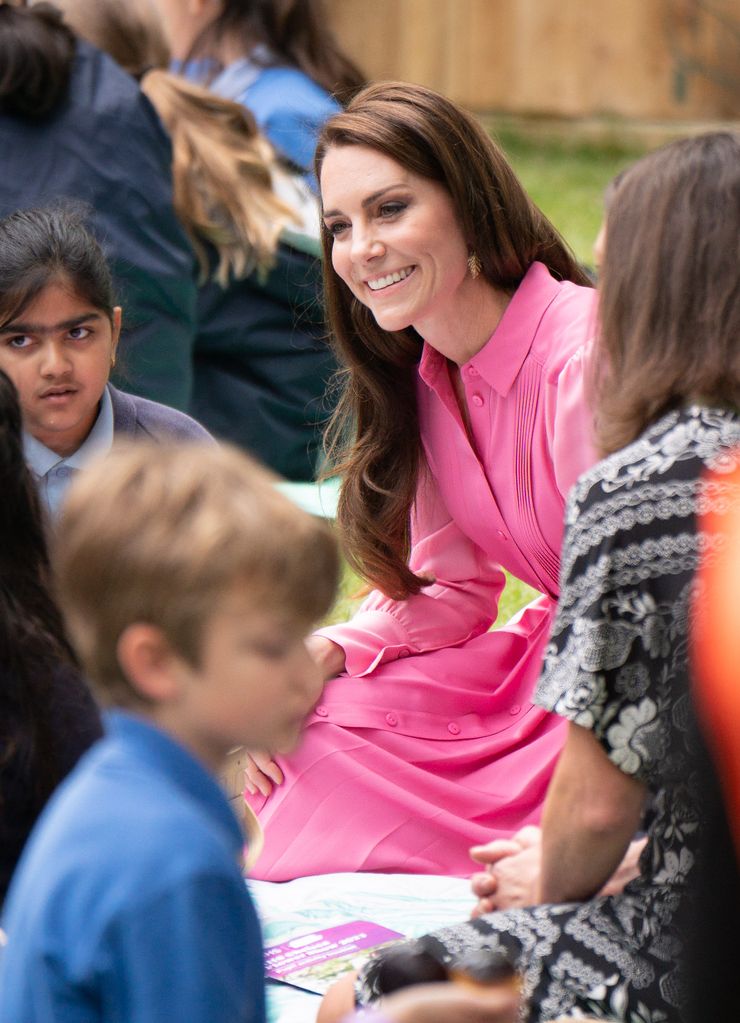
<point>128,904</point>
<point>288,106</point>
<point>52,473</point>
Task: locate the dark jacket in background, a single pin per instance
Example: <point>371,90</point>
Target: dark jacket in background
<point>104,144</point>
<point>262,364</point>
<point>73,724</point>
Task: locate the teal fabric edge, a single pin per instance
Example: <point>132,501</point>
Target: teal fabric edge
<point>317,498</point>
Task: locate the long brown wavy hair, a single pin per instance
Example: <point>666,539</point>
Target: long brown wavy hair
<point>670,291</point>
<point>373,439</point>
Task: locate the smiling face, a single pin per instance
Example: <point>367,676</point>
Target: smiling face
<point>397,243</point>
<point>58,352</point>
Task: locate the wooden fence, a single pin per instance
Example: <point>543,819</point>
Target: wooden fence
<point>642,59</point>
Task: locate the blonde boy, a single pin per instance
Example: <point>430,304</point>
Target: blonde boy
<point>189,584</point>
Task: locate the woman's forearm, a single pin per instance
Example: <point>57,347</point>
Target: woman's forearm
<point>591,814</point>
<point>577,864</point>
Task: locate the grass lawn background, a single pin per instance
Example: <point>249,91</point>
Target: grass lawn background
<point>567,182</point>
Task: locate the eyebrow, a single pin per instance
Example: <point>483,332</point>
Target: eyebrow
<point>369,200</point>
<point>38,328</point>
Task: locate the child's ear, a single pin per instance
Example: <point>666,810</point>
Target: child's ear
<point>149,663</point>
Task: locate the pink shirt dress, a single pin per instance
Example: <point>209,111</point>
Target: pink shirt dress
<point>430,743</point>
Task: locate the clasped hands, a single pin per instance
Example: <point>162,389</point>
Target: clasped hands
<point>512,875</point>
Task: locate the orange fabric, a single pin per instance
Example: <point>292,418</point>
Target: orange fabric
<point>716,644</point>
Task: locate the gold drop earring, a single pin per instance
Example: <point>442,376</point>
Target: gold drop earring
<point>474,265</point>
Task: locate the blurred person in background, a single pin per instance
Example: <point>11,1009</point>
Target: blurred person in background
<point>74,125</point>
<point>279,58</point>
<point>714,915</point>
<point>48,717</point>
<point>261,361</point>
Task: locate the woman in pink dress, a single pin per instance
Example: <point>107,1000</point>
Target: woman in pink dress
<point>460,317</point>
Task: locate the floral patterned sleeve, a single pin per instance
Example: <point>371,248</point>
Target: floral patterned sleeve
<point>618,652</point>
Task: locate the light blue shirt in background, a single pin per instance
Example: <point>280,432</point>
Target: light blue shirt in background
<point>52,473</point>
<point>288,106</point>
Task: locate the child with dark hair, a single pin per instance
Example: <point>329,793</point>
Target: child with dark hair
<point>74,125</point>
<point>59,331</point>
<point>47,715</point>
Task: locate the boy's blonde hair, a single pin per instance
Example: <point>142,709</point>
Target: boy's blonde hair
<point>159,533</point>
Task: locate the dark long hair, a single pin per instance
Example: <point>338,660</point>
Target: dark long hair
<point>373,439</point>
<point>296,32</point>
<point>33,642</point>
<point>46,244</point>
<point>670,291</point>
<point>36,55</point>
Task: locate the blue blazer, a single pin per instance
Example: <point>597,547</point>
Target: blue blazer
<point>140,418</point>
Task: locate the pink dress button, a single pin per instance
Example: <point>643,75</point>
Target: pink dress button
<point>477,400</point>
<point>514,709</point>
<point>404,651</point>
<point>322,712</point>
<point>472,371</point>
<point>453,728</point>
<point>392,720</point>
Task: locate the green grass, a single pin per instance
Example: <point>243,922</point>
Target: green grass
<point>516,594</point>
<point>567,181</point>
<point>351,592</point>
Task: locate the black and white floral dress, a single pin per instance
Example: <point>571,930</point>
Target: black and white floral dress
<point>617,663</point>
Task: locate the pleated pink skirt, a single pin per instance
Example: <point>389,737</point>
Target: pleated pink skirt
<point>404,769</point>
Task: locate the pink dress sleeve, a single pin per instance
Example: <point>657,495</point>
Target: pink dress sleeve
<point>461,603</point>
<point>570,420</point>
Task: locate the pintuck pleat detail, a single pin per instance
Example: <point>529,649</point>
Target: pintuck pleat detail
<point>544,562</point>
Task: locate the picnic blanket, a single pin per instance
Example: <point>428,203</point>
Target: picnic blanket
<point>409,903</point>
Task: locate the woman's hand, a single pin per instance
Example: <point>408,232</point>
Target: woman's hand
<point>329,656</point>
<point>260,773</point>
<point>513,871</point>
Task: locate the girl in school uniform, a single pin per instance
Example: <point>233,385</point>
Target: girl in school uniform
<point>59,331</point>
